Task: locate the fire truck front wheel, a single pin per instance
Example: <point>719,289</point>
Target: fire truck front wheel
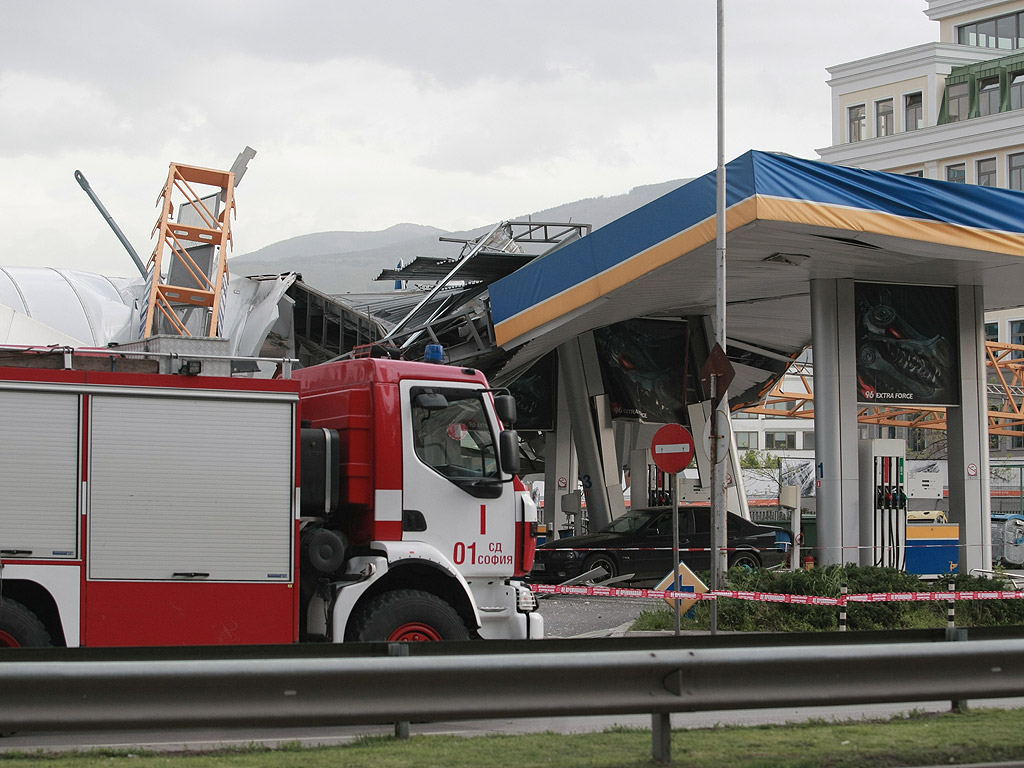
<point>20,628</point>
<point>407,616</point>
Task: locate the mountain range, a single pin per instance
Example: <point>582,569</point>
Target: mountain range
<point>348,262</point>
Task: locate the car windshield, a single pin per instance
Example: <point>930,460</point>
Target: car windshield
<point>630,522</point>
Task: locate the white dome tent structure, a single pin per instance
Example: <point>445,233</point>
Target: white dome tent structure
<point>41,306</point>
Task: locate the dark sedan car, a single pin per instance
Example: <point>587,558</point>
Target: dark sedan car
<point>640,542</point>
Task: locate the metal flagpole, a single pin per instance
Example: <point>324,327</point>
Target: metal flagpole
<point>718,499</point>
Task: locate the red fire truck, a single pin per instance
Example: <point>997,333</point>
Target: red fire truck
<point>145,502</point>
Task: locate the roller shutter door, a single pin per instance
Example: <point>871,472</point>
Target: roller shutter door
<point>39,477</point>
<point>186,485</point>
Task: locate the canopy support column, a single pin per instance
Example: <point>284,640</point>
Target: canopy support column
<point>561,475</point>
<point>967,438</point>
<point>835,421</point>
<point>580,374</point>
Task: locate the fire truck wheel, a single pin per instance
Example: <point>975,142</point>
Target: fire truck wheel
<point>20,628</point>
<point>408,616</point>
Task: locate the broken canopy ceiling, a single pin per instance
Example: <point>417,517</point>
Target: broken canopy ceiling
<point>789,221</point>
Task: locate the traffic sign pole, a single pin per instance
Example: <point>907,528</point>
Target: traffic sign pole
<point>675,547</point>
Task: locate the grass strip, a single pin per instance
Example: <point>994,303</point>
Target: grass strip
<point>977,736</point>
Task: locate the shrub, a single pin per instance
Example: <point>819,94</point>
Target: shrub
<point>752,616</point>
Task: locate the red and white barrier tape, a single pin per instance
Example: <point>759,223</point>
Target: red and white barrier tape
<point>666,549</point>
<point>775,597</point>
<point>777,548</point>
<point>899,597</point>
<point>552,589</point>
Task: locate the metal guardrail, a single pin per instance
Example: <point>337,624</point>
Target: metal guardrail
<point>325,688</point>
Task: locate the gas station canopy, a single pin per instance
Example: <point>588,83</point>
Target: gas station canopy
<point>789,221</point>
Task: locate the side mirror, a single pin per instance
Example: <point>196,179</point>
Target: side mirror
<point>508,447</point>
<point>505,407</point>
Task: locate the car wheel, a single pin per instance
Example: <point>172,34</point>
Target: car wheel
<point>746,560</point>
<point>601,560</point>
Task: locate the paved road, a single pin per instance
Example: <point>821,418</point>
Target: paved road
<point>576,615</point>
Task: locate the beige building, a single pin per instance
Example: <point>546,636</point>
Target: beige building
<point>950,110</point>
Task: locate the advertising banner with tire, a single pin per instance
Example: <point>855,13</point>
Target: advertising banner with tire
<point>907,345</point>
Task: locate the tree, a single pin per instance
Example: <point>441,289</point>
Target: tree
<point>764,469</point>
<point>752,459</point>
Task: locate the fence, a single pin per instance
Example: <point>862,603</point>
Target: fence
<point>1006,484</point>
<point>333,685</point>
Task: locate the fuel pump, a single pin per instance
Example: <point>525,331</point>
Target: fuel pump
<point>883,503</point>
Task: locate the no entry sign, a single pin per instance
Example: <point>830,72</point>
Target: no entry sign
<point>672,448</point>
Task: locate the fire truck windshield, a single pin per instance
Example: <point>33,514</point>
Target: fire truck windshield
<point>452,435</point>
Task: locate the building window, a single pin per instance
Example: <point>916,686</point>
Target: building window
<point>967,34</point>
<point>913,112</point>
<point>958,102</point>
<point>808,441</point>
<point>1007,32</point>
<point>991,331</point>
<point>780,441</point>
<point>1003,32</point>
<point>746,441</point>
<point>956,173</point>
<point>1016,90</point>
<point>1017,335</point>
<point>988,96</point>
<point>883,118</point>
<point>857,123</point>
<point>1016,163</point>
<point>918,174</point>
<point>987,34</point>
<point>987,172</point>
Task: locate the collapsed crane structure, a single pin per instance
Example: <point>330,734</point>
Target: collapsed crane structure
<point>195,247</point>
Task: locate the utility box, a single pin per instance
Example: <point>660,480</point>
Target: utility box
<point>212,353</point>
<point>933,550</point>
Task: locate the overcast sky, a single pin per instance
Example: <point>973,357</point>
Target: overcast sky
<point>452,113</point>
